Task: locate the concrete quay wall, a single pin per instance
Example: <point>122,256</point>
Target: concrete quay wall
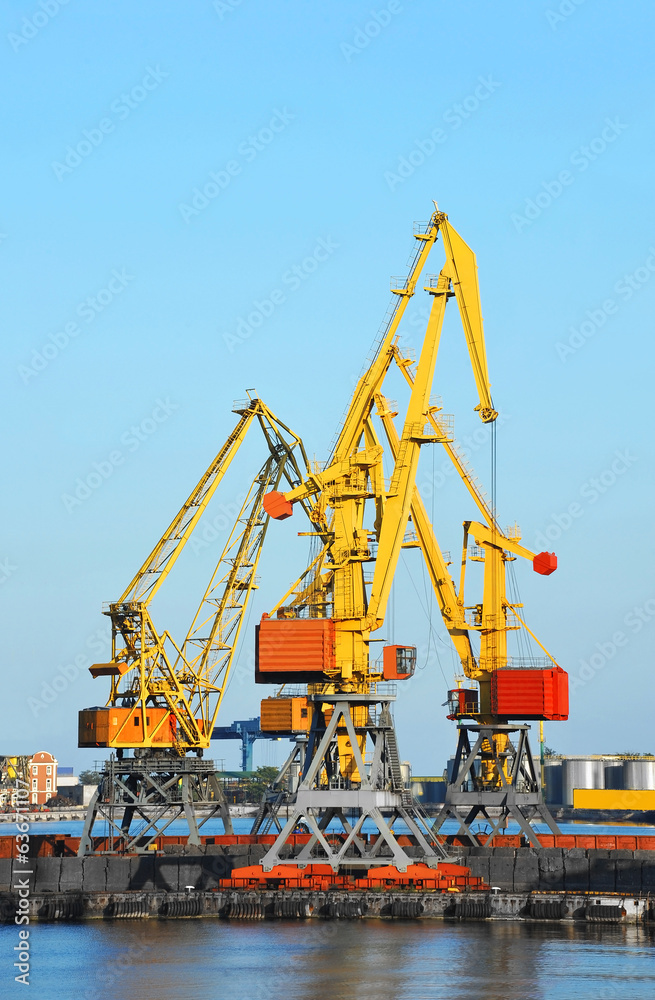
<point>520,870</point>
<point>573,869</point>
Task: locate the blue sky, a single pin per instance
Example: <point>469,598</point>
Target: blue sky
<point>169,167</point>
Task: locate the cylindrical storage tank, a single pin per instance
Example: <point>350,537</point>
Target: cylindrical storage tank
<point>639,773</point>
<point>553,780</point>
<point>581,772</point>
<point>614,774</point>
<point>293,777</point>
<point>418,790</point>
<point>429,791</point>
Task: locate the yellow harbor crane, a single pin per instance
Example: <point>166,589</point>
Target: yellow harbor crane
<point>164,698</point>
<point>321,631</point>
<point>355,473</point>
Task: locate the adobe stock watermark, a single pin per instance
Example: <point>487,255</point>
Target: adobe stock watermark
<point>88,310</point>
<point>122,107</point>
<point>446,469</point>
<point>624,288</point>
<point>7,570</point>
<point>133,438</point>
<point>581,158</point>
<point>223,7</point>
<point>248,150</point>
<point>563,12</point>
<point>99,642</point>
<point>363,36</point>
<point>590,492</point>
<point>634,622</point>
<point>224,519</point>
<point>454,117</point>
<point>32,25</point>
<point>292,279</point>
<point>115,978</point>
<point>21,881</point>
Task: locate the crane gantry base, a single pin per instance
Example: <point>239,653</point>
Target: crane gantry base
<point>334,809</point>
<point>153,789</point>
<point>494,779</point>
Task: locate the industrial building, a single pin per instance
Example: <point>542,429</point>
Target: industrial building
<point>599,782</point>
<point>589,783</point>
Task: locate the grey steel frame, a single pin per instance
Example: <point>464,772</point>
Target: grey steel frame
<point>157,788</point>
<point>323,795</point>
<point>519,796</point>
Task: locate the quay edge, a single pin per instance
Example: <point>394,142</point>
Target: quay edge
<point>570,908</point>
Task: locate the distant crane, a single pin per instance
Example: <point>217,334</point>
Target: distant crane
<point>246,730</point>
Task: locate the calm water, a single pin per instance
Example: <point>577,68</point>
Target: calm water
<point>366,960</point>
<point>363,960</point>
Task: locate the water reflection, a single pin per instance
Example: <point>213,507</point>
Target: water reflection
<point>312,960</point>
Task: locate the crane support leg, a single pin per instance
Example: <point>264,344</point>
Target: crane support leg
<point>189,813</point>
<point>278,796</point>
<point>139,797</point>
<point>495,780</point>
<point>333,809</point>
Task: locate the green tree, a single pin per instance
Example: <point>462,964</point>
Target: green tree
<point>255,786</point>
<point>90,777</point>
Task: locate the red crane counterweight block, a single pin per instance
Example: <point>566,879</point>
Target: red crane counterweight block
<point>530,693</point>
<point>277,506</point>
<point>544,563</point>
<point>294,650</point>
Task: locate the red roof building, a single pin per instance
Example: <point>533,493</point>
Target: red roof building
<point>43,777</point>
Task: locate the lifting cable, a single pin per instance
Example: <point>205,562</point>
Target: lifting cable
<point>493,471</point>
<point>239,650</point>
<point>425,611</point>
<point>524,644</point>
<point>427,600</point>
<point>494,514</point>
<point>525,648</point>
<point>392,615</point>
